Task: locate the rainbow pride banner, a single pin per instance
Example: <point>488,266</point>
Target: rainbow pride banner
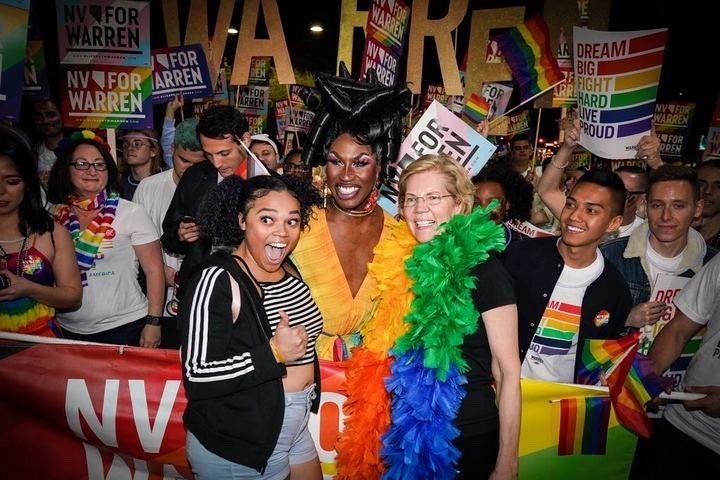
<point>106,96</point>
<point>13,38</point>
<point>617,76</point>
<point>107,32</point>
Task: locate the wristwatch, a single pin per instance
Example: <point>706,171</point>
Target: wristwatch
<point>153,320</point>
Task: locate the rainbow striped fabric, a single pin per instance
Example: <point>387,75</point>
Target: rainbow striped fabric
<point>583,425</point>
<point>476,108</point>
<point>603,356</point>
<point>629,375</point>
<point>527,51</point>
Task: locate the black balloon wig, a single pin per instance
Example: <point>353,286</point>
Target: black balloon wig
<point>369,111</point>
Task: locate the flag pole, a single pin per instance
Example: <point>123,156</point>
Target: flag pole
<point>537,133</point>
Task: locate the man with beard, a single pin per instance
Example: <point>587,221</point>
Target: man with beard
<point>48,123</point>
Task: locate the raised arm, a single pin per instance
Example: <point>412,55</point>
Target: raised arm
<point>548,188</point>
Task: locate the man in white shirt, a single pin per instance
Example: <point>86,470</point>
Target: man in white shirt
<point>686,442</point>
<point>155,193</point>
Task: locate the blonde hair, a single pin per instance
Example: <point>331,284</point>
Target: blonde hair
<point>457,180</point>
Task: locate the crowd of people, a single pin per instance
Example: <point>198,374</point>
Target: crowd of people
<point>256,278</point>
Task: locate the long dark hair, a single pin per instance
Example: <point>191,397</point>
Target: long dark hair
<point>33,218</point>
<point>60,187</point>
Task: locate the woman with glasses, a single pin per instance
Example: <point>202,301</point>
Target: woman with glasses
<point>111,235</point>
<point>141,157</point>
<point>38,271</point>
<point>461,338</point>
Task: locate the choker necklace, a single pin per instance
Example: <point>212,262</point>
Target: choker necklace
<point>353,213</point>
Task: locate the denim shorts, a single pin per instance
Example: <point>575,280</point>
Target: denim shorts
<point>294,446</point>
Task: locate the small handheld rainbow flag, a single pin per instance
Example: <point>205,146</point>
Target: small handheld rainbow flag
<point>603,356</point>
<point>629,376</point>
<point>476,108</point>
<point>583,425</point>
<point>526,49</point>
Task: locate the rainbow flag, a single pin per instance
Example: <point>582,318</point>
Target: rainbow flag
<point>583,425</point>
<point>603,356</point>
<point>477,108</point>
<point>632,385</point>
<point>527,51</point>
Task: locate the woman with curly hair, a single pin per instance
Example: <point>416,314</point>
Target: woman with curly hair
<point>249,327</point>
<point>514,194</point>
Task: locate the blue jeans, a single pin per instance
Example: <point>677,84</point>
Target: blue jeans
<point>294,446</point>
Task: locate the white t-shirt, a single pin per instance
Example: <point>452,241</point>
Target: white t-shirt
<point>700,302</point>
<point>155,193</point>
<point>46,160</point>
<point>112,297</point>
<point>551,355</point>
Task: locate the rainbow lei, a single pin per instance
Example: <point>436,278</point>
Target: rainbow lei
<point>87,242</point>
<point>427,374</point>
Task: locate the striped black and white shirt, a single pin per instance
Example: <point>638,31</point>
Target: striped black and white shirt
<point>292,296</point>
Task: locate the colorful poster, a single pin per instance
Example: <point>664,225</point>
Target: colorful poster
<point>298,118</point>
<point>672,126</point>
<point>498,95</point>
<point>36,82</point>
<point>13,38</point>
<point>437,131</point>
<point>122,418</point>
<point>108,32</point>
<point>253,102</point>
<point>180,70</point>
<point>260,68</point>
<point>106,96</point>
<point>436,93</point>
<point>385,39</point>
<point>617,76</point>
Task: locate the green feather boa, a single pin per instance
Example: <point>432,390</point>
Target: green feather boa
<point>443,312</point>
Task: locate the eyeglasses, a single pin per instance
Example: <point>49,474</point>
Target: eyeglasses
<point>83,165</point>
<point>135,144</point>
<point>431,199</point>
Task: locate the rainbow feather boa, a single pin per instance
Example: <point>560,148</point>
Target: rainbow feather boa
<point>367,408</point>
<point>427,308</point>
<point>426,382</point>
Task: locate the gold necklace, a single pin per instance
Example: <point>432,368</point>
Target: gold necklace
<point>353,213</point>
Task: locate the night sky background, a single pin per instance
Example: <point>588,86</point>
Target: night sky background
<point>685,74</point>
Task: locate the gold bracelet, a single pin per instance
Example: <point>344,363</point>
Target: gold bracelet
<point>552,162</point>
<point>276,352</point>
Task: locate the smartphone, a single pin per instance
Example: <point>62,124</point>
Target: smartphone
<point>187,219</point>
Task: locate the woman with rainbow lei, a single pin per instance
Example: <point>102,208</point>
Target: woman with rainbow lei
<point>420,397</point>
